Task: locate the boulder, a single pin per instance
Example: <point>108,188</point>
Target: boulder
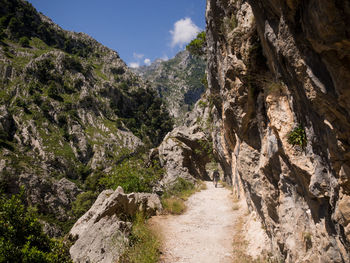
<point>101,234</point>
<point>183,153</point>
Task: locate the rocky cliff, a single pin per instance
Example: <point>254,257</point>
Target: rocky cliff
<point>178,80</point>
<point>278,73</point>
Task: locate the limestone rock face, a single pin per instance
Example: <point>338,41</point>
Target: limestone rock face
<point>101,234</point>
<point>274,66</point>
<point>184,151</point>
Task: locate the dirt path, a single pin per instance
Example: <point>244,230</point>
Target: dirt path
<point>204,233</point>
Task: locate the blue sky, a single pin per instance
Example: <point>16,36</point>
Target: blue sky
<point>139,30</point>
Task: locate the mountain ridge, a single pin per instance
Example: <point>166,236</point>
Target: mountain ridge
<point>177,80</point>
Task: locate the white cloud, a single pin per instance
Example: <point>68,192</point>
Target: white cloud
<point>147,61</point>
<point>184,31</point>
<point>164,58</point>
<point>134,65</point>
<point>138,56</point>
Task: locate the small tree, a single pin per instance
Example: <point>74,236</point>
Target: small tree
<point>24,41</point>
<point>197,47</point>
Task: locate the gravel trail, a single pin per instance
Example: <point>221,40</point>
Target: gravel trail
<point>204,233</point>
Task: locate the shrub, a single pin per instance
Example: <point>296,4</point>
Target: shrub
<point>198,45</point>
<point>24,41</point>
<point>21,236</point>
<point>297,137</point>
<point>118,71</point>
<point>133,176</point>
<point>202,104</point>
<point>54,91</point>
<point>205,148</point>
<point>204,81</point>
<point>72,63</point>
<point>83,203</point>
<point>42,71</point>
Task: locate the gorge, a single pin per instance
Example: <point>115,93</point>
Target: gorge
<point>273,113</point>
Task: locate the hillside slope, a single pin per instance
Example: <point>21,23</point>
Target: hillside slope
<point>70,112</point>
<point>179,81</point>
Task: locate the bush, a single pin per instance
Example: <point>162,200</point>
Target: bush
<point>181,188</point>
<point>21,236</point>
<point>144,114</point>
<point>132,176</point>
<point>24,41</point>
<point>198,45</point>
<point>83,203</point>
<point>72,63</point>
<point>297,137</point>
<point>54,91</point>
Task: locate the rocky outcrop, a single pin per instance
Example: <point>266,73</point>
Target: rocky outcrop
<point>101,234</point>
<point>274,66</point>
<point>187,149</point>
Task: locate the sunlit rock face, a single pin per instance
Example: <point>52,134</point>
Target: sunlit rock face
<point>101,234</point>
<point>274,66</point>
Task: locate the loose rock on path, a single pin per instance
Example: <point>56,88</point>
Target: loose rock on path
<point>204,233</point>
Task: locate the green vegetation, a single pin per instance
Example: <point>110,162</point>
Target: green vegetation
<point>21,235</point>
<point>205,148</point>
<point>148,118</point>
<point>133,176</point>
<point>228,24</point>
<point>173,200</point>
<point>274,88</point>
<point>202,104</point>
<point>66,125</point>
<point>20,21</point>
<point>297,137</point>
<point>307,236</point>
<point>24,41</point>
<point>197,46</point>
<point>144,246</point>
<point>83,203</point>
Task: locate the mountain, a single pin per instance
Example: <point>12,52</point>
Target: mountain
<point>179,81</point>
<point>71,111</point>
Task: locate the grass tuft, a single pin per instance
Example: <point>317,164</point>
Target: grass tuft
<point>235,207</point>
<point>174,205</point>
<point>144,243</point>
<point>173,200</point>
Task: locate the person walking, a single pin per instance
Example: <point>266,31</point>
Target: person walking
<point>216,177</point>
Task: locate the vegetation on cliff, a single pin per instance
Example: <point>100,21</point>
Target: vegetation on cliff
<point>70,109</point>
<point>197,47</point>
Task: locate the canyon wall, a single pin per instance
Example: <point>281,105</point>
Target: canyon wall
<point>279,74</point>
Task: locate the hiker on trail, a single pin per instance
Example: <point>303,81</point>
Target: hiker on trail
<point>216,177</point>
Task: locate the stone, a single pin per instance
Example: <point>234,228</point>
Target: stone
<point>184,153</point>
<point>101,234</point>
